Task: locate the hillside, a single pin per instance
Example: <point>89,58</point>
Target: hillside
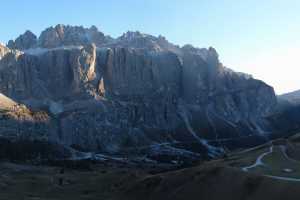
<point>269,171</point>
<point>292,97</point>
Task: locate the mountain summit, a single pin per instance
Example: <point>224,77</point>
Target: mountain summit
<point>136,94</point>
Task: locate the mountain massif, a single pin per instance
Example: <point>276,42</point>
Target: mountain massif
<point>133,95</point>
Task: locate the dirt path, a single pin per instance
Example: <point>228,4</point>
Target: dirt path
<point>259,162</point>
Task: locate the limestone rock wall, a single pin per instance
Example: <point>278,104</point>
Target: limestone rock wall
<point>134,91</point>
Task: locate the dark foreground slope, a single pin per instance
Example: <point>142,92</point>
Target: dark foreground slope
<point>212,182</point>
<point>208,182</point>
<point>269,171</point>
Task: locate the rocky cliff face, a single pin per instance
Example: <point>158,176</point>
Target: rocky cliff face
<point>3,51</point>
<point>135,94</point>
<point>58,36</point>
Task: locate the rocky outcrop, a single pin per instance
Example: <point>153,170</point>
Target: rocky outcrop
<point>25,41</point>
<point>61,35</point>
<point>6,103</point>
<point>139,40</point>
<point>135,93</point>
<point>3,51</point>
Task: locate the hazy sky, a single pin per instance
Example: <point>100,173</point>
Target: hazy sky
<point>260,37</point>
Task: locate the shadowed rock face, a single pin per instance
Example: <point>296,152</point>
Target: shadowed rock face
<point>126,94</point>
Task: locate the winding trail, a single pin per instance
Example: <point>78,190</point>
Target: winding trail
<point>259,162</point>
<point>284,178</point>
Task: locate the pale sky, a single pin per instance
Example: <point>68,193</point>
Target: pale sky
<point>259,37</point>
<point>278,67</point>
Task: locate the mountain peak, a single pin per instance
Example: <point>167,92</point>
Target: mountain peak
<point>66,35</point>
<point>129,35</point>
<point>25,41</point>
<point>59,35</point>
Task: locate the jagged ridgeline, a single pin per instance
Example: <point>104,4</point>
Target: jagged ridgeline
<point>136,94</point>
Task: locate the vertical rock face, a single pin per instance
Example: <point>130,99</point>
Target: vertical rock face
<point>200,71</point>
<point>56,74</point>
<point>132,72</point>
<point>119,95</point>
